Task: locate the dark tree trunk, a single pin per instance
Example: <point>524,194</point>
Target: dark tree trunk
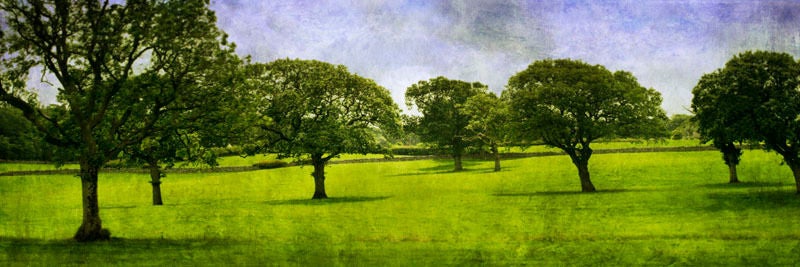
<point>731,154</point>
<point>458,150</point>
<point>795,166</point>
<point>155,180</point>
<point>319,177</point>
<point>458,164</point>
<point>580,157</point>
<point>734,177</point>
<point>496,155</point>
<point>583,172</point>
<point>91,228</point>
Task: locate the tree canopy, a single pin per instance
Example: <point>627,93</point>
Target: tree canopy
<point>443,122</point>
<point>568,104</point>
<point>309,109</point>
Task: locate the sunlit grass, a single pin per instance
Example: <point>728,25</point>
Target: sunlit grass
<point>652,208</point>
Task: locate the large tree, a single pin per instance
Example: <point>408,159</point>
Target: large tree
<point>722,118</point>
<point>101,55</point>
<point>569,104</point>
<point>312,110</point>
<point>757,92</point>
<point>443,122</point>
<point>489,121</point>
<point>199,81</point>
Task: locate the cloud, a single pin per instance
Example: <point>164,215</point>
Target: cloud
<point>483,41</point>
<point>667,45</point>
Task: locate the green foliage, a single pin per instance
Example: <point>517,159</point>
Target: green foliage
<point>659,209</point>
<point>413,151</point>
<point>489,118</point>
<point>683,126</point>
<point>270,164</point>
<point>19,139</point>
<point>308,107</point>
<point>569,103</point>
<point>443,122</point>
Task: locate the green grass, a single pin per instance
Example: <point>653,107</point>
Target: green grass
<point>653,209</point>
<point>10,167</point>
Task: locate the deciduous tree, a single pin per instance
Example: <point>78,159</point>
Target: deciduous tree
<point>99,53</point>
<point>569,104</point>
<point>443,122</point>
<point>489,121</point>
<point>722,118</point>
<point>314,110</point>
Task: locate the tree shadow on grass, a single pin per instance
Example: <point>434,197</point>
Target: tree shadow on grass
<point>126,243</point>
<point>117,207</point>
<point>27,251</point>
<point>770,199</point>
<point>746,185</point>
<point>327,201</point>
<point>446,167</point>
<point>567,193</point>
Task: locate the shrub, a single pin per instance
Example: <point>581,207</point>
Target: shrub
<point>270,164</point>
<point>413,151</point>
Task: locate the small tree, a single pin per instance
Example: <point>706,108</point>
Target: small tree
<point>489,121</point>
<point>569,104</point>
<point>443,123</point>
<point>722,119</point>
<point>314,110</point>
<point>683,126</point>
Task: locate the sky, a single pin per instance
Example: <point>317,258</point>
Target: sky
<point>667,45</point>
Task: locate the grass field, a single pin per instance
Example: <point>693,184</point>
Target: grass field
<point>653,209</point>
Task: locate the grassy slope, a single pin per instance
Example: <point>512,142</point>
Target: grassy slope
<point>656,208</point>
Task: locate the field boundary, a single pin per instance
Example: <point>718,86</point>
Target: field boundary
<point>513,155</point>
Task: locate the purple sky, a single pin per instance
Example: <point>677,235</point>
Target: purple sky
<point>668,45</point>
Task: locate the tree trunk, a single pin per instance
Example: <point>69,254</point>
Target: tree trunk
<point>155,180</point>
<point>458,150</point>
<point>583,173</point>
<point>734,178</point>
<point>795,166</point>
<point>91,228</point>
<point>580,157</point>
<point>458,166</point>
<point>319,177</point>
<point>731,155</point>
<point>496,155</point>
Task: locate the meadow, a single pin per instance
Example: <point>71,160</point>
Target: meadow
<point>668,208</point>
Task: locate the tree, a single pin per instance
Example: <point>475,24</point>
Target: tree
<point>19,140</point>
<point>314,110</point>
<point>443,123</point>
<point>489,120</point>
<point>568,104</point>
<point>99,53</point>
<point>198,79</point>
<point>758,99</point>
<point>682,126</point>
<point>722,118</point>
